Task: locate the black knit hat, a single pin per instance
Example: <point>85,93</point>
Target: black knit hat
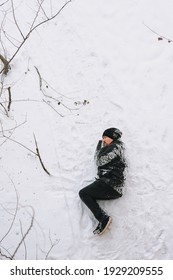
<point>113,133</point>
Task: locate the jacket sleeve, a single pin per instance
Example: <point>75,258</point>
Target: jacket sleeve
<point>109,156</point>
<point>98,148</point>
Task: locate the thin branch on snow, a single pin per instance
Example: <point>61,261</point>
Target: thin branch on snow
<point>15,20</point>
<point>37,153</point>
<point>1,92</point>
<point>10,38</point>
<point>52,246</point>
<point>15,212</point>
<point>4,256</point>
<point>57,101</point>
<point>6,67</point>
<point>161,37</point>
<point>52,17</point>
<point>8,138</point>
<point>4,3</point>
<point>43,10</point>
<point>25,235</point>
<point>39,156</point>
<point>25,100</point>
<point>36,15</point>
<point>6,112</point>
<point>3,135</point>
<point>1,85</point>
<point>32,28</point>
<point>40,78</point>
<point>13,128</point>
<point>1,30</point>
<point>41,89</point>
<point>52,108</point>
<point>8,255</point>
<point>24,243</point>
<point>9,102</point>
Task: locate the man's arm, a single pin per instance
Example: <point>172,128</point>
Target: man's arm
<point>98,148</point>
<point>109,156</point>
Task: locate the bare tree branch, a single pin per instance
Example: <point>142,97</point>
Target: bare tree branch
<point>161,37</point>
<point>1,30</point>
<point>4,3</point>
<point>42,9</point>
<point>52,108</point>
<point>21,229</point>
<point>6,112</point>
<point>6,65</point>
<point>15,20</point>
<point>9,102</point>
<point>11,39</point>
<point>13,128</point>
<point>8,137</point>
<point>4,256</point>
<point>52,246</point>
<point>40,78</point>
<point>52,17</point>
<point>36,16</point>
<point>25,235</point>
<point>2,85</point>
<point>1,92</point>
<point>15,213</point>
<point>38,154</point>
<point>31,30</point>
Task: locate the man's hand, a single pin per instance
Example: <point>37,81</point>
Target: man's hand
<point>99,145</point>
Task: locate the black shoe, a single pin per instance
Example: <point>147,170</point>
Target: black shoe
<point>97,230</point>
<point>104,225</point>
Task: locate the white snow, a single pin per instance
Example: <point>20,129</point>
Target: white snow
<point>107,69</point>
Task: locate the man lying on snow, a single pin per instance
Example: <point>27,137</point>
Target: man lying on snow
<point>109,184</point>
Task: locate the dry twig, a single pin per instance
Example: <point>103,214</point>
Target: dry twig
<point>4,256</point>
<point>57,101</point>
<point>15,212</point>
<point>52,246</point>
<point>9,102</point>
<point>21,229</point>
<point>6,67</point>
<point>15,20</point>
<point>4,3</point>
<point>39,156</point>
<point>161,37</point>
<point>8,137</point>
<point>25,235</point>
<point>6,112</point>
<point>37,153</point>
<point>32,28</point>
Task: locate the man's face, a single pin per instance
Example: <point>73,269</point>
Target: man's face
<point>106,140</point>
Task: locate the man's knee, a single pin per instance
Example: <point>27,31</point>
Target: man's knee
<point>81,194</point>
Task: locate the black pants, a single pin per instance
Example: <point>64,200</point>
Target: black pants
<point>98,190</point>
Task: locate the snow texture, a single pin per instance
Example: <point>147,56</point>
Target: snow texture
<point>105,68</point>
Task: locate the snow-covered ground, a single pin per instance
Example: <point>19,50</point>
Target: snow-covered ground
<point>105,68</point>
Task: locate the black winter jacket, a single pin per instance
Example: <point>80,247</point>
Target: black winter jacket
<point>111,164</point>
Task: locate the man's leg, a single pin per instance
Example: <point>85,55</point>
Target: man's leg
<point>94,191</point>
